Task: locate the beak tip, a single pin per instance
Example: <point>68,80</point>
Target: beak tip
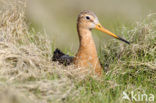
<point>124,40</point>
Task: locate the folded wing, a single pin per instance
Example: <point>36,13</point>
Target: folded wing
<point>62,58</point>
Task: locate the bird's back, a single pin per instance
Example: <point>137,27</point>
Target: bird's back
<point>62,58</point>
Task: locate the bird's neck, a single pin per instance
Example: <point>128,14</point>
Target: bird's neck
<point>87,54</point>
<point>87,44</point>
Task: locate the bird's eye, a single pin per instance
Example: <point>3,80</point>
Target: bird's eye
<point>87,17</point>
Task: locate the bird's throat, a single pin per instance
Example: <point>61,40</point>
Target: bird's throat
<point>87,48</point>
<point>86,41</point>
<point>87,54</point>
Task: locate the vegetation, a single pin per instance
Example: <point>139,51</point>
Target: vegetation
<point>27,74</point>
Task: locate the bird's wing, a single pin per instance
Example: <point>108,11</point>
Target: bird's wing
<point>62,58</point>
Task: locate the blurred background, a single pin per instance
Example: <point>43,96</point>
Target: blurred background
<point>58,18</point>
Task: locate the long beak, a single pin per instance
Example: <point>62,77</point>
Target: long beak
<point>100,28</point>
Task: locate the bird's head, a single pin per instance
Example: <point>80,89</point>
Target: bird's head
<point>88,20</point>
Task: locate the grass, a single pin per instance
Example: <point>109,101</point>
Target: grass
<point>28,75</point>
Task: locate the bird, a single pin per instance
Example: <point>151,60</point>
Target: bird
<point>87,56</point>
